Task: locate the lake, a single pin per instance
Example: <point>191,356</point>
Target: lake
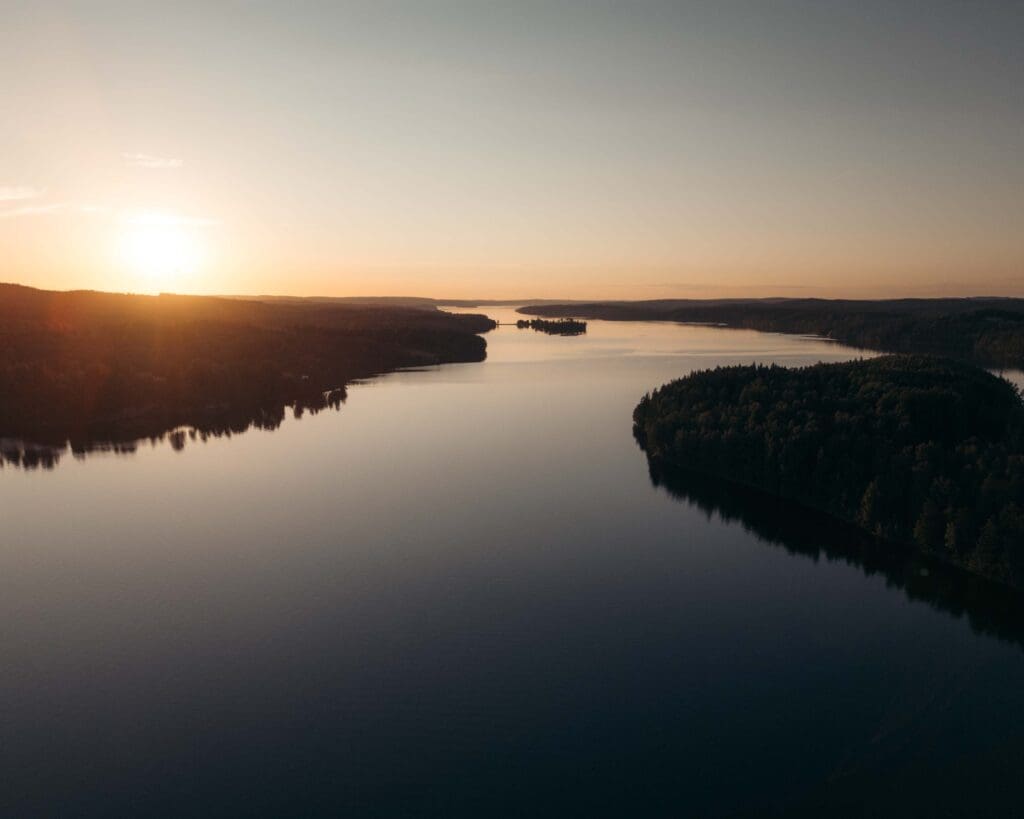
<point>463,595</point>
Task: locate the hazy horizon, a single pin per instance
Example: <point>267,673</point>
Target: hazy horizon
<point>500,300</point>
<point>576,151</point>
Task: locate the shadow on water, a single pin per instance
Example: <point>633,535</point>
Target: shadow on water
<point>125,436</point>
<point>989,607</point>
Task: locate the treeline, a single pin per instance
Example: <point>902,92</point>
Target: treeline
<point>85,366</point>
<point>986,331</point>
<point>562,327</point>
<point>914,450</point>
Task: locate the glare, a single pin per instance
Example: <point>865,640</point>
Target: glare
<point>158,251</point>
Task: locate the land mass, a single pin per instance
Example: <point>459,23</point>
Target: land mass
<point>401,301</point>
<point>986,331</point>
<point>87,366</point>
<point>918,452</point>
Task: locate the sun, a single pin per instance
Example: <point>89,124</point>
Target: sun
<point>158,252</point>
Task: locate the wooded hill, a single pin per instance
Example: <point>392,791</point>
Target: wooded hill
<point>914,450</point>
<point>77,365</point>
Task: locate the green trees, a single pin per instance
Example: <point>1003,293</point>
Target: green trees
<point>914,450</point>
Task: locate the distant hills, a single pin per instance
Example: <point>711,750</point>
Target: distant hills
<point>399,301</point>
<point>88,366</point>
<point>987,331</point>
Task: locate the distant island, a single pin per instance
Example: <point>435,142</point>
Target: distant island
<point>916,451</point>
<point>561,327</point>
<point>987,331</point>
<point>94,368</point>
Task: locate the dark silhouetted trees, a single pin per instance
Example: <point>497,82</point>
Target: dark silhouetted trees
<point>912,449</point>
<point>986,331</point>
<point>86,366</point>
<point>561,327</point>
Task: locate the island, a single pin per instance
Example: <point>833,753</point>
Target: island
<point>918,452</point>
<point>561,327</point>
<point>103,369</point>
<point>986,331</point>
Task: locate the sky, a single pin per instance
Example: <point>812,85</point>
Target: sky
<point>505,150</point>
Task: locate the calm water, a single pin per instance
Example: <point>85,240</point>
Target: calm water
<point>463,595</point>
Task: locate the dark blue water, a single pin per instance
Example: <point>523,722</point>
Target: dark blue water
<point>463,595</point>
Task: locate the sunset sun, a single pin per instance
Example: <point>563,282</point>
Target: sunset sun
<point>158,252</point>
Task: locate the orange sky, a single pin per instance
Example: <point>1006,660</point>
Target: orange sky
<point>567,151</point>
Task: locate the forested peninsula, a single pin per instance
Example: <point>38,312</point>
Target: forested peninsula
<point>86,366</point>
<point>986,331</point>
<point>917,451</point>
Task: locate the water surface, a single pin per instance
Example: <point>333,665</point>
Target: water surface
<point>462,594</point>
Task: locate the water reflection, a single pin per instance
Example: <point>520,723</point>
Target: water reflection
<point>125,436</point>
<point>990,608</point>
<point>462,596</point>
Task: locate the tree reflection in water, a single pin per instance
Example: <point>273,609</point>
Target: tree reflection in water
<point>990,608</point>
<point>126,436</point>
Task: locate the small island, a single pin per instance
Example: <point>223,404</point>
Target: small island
<point>561,327</point>
<point>917,451</point>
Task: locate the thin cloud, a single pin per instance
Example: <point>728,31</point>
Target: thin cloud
<point>126,217</point>
<point>162,219</point>
<point>34,210</point>
<point>52,208</point>
<point>140,160</point>
<point>14,193</point>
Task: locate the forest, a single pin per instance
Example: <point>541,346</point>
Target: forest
<point>561,327</point>
<point>987,331</point>
<point>87,366</point>
<point>916,451</point>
